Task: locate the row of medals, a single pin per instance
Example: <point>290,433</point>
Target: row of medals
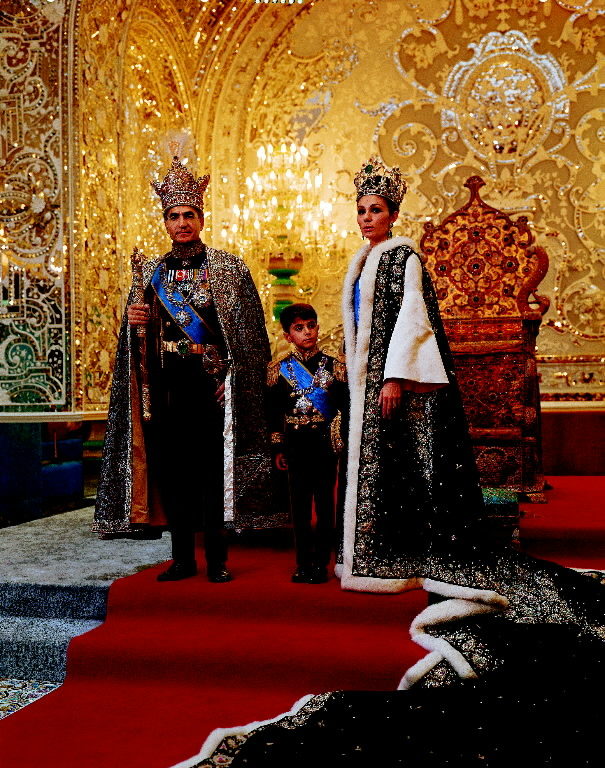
<point>200,293</point>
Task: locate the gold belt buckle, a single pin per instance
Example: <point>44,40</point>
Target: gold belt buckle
<point>183,348</point>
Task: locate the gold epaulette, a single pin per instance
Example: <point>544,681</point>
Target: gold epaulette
<point>340,371</point>
<point>273,371</point>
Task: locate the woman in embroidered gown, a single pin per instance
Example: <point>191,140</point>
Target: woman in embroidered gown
<point>412,484</point>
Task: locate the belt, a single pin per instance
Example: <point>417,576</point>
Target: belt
<point>184,347</point>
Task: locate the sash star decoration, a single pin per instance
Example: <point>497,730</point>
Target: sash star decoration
<point>180,187</point>
<point>374,178</point>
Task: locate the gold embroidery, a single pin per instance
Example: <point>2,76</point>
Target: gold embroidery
<point>340,371</point>
<point>273,373</point>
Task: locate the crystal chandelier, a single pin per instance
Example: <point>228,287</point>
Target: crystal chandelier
<point>283,217</point>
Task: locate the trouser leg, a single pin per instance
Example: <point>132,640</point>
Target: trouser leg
<point>215,547</point>
<point>213,498</point>
<point>324,510</point>
<point>190,448</point>
<point>300,503</point>
<point>183,544</point>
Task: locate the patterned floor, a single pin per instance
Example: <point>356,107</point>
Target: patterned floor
<point>15,694</point>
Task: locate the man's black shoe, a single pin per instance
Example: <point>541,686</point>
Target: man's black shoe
<point>219,575</point>
<point>301,575</point>
<point>178,571</point>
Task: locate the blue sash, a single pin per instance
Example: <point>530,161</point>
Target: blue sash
<point>196,330</point>
<point>356,301</point>
<point>304,379</point>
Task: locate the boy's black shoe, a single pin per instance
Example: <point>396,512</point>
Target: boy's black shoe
<point>301,575</point>
<point>219,575</point>
<point>318,575</point>
<point>178,571</point>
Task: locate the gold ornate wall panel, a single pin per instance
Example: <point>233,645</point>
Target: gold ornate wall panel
<point>98,265</point>
<point>92,91</point>
<point>134,98</point>
<point>511,91</point>
<point>34,268</point>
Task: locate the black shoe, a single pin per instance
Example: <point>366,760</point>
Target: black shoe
<point>219,575</point>
<point>149,533</point>
<point>318,575</point>
<point>178,571</point>
<point>301,575</point>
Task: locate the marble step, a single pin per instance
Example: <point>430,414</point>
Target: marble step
<point>35,648</point>
<point>54,601</point>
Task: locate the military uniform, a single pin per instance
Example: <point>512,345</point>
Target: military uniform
<point>308,411</point>
<point>186,376</point>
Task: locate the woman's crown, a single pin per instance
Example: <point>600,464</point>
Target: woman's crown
<point>375,178</point>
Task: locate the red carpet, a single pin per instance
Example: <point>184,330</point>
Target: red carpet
<point>174,661</point>
<point>570,529</point>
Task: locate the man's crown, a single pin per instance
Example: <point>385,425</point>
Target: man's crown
<point>180,187</point>
<point>375,178</point>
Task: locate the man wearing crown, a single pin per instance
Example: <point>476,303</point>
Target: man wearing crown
<point>186,442</point>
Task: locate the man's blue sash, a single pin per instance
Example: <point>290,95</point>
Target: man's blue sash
<point>196,330</point>
<point>304,379</point>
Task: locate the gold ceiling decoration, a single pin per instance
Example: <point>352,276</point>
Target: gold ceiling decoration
<point>511,90</point>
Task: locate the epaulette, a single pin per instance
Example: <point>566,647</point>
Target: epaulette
<point>340,370</point>
<point>273,371</point>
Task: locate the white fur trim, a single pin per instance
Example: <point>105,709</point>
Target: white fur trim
<point>413,352</point>
<point>218,734</point>
<point>466,593</point>
<point>452,655</point>
<point>364,265</point>
<point>464,603</point>
<point>418,670</point>
<point>446,611</point>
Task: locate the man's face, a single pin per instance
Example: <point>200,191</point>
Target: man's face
<point>303,334</point>
<point>184,224</point>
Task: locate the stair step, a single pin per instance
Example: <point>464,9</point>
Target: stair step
<point>54,601</point>
<point>36,649</point>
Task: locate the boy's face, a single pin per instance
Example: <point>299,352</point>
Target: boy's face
<point>303,334</point>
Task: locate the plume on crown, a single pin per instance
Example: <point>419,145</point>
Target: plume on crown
<point>374,178</point>
<point>179,186</point>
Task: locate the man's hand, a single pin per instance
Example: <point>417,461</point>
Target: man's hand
<point>138,314</point>
<point>280,461</point>
<point>389,399</point>
<point>220,394</point>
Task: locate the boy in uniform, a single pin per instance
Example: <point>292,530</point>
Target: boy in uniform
<point>308,398</point>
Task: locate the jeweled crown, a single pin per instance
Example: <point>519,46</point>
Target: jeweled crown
<point>180,187</point>
<point>375,178</point>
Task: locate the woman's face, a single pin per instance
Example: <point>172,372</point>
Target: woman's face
<point>374,219</point>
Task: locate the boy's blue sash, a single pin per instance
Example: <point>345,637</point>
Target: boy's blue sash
<point>304,379</point>
<point>196,330</point>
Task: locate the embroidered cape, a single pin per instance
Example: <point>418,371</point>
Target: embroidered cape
<point>412,484</point>
<point>127,498</point>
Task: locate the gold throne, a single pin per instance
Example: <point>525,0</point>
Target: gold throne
<point>486,271</point>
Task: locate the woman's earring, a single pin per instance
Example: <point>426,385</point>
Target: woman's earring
<point>390,233</point>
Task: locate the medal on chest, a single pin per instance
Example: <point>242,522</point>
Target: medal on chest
<point>321,379</point>
<point>185,287</point>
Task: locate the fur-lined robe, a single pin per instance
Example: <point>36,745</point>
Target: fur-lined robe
<point>412,484</point>
<point>127,497</point>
